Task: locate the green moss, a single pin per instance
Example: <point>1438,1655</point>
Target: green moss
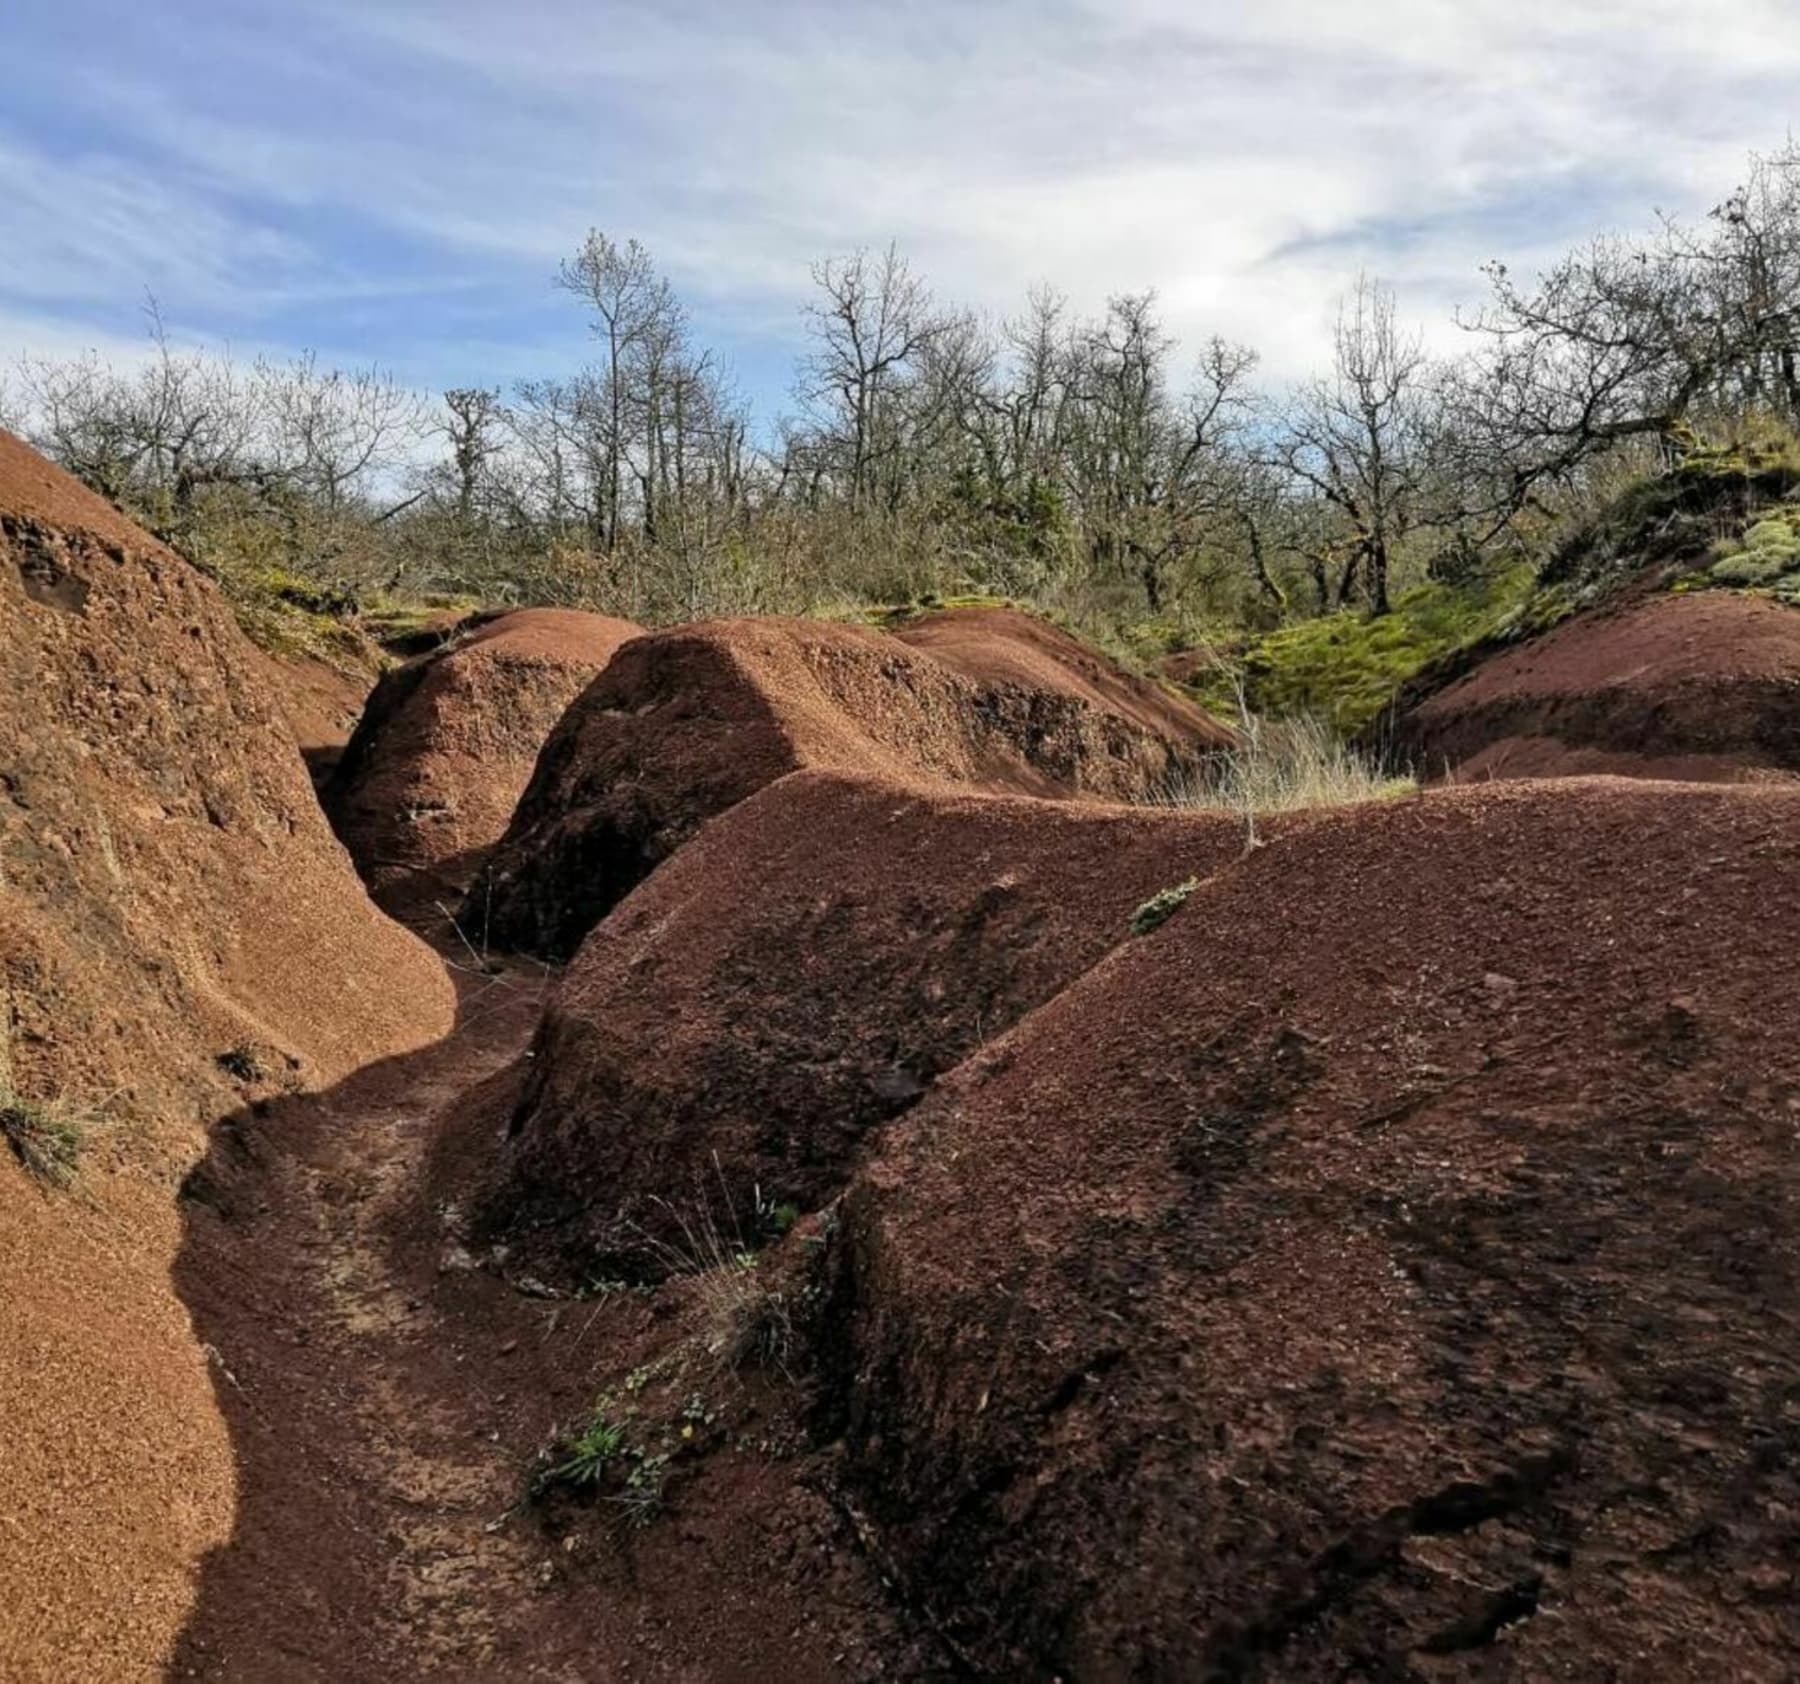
<point>1755,444</point>
<point>1150,640</point>
<point>1746,569</point>
<point>1768,550</point>
<point>389,621</point>
<point>1345,668</point>
<point>1685,518</point>
<point>891,614</point>
<point>1161,907</point>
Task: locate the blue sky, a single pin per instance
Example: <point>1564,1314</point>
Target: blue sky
<point>395,180</point>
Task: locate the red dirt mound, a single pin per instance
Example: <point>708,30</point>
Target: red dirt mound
<point>448,741</point>
<point>797,975</point>
<point>1004,646</point>
<point>1668,686</point>
<point>1384,1270</point>
<point>689,722</point>
<point>321,704</point>
<point>179,933</point>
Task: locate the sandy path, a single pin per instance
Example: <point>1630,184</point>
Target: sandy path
<point>386,1398</point>
<point>365,1409</point>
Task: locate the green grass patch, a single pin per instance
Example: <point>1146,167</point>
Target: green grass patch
<point>1345,668</point>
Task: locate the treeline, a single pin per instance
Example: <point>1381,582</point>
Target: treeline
<point>1085,463</point>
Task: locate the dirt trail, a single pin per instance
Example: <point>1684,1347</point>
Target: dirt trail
<point>385,1398</point>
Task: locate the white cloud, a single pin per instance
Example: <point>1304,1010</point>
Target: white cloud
<point>1243,161</point>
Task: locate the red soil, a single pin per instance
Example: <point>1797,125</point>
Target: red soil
<point>320,703</point>
<point>1551,757</point>
<point>689,722</point>
<point>797,975</point>
<point>171,894</point>
<point>387,1401</point>
<point>446,744</point>
<point>1004,646</point>
<point>1383,1270</point>
<point>1662,686</point>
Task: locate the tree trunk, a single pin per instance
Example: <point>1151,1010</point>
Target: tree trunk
<point>1260,567</point>
<point>1378,578</point>
<point>1321,585</point>
<point>1148,571</point>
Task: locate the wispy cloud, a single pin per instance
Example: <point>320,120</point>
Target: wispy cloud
<point>398,178</point>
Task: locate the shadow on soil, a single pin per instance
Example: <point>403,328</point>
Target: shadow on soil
<point>357,1374</point>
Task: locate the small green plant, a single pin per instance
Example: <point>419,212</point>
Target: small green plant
<point>48,1139</point>
<point>581,1462</point>
<point>645,1493</point>
<point>1161,907</point>
<point>783,1217</point>
<point>623,1457</point>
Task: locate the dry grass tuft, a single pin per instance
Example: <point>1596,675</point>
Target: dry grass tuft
<point>1283,766</point>
<point>47,1138</point>
<point>745,1317</point>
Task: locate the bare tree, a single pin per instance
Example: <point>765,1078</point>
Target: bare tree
<point>632,306</point>
<point>335,432</point>
<point>472,428</point>
<point>871,329</point>
<point>1144,467</point>
<point>153,438</point>
<point>1359,438</point>
<point>1629,338</point>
